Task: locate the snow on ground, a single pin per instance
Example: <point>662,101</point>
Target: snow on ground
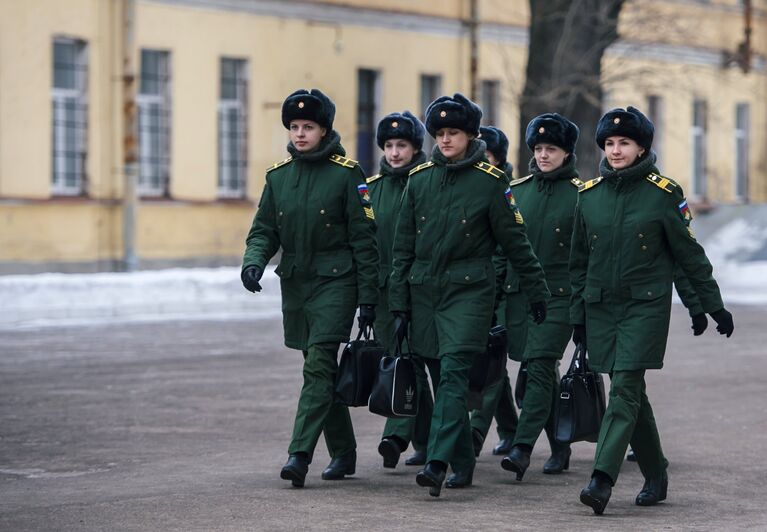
<point>32,301</point>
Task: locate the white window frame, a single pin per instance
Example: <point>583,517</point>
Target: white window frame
<point>426,99</point>
<point>232,173</point>
<point>699,160</point>
<point>656,115</point>
<point>61,98</point>
<point>742,134</point>
<point>490,89</point>
<point>154,150</point>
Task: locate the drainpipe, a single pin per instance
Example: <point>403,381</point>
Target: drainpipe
<point>130,151</point>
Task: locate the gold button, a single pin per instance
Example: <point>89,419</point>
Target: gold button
<point>423,218</point>
<point>300,105</point>
<point>594,237</point>
<point>467,235</point>
<point>508,287</point>
<point>322,211</point>
<point>467,278</point>
<point>419,231</point>
<point>463,221</point>
<point>335,270</point>
<point>649,293</point>
<point>561,290</point>
<point>557,230</point>
<point>327,225</point>
<point>443,114</point>
<point>394,124</point>
<point>644,248</point>
<point>561,244</point>
<point>280,213</point>
<point>541,129</point>
<point>641,235</point>
<point>616,120</point>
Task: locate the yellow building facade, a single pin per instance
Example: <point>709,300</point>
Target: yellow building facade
<point>212,74</point>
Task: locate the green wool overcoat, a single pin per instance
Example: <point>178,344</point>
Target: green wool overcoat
<point>386,194</point>
<point>317,209</point>
<point>631,231</point>
<point>547,203</point>
<point>453,216</point>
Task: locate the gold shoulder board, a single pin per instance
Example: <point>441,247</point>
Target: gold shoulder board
<point>577,182</point>
<point>490,169</point>
<point>662,182</point>
<point>515,182</point>
<point>373,178</point>
<point>590,183</point>
<point>421,167</point>
<point>277,165</point>
<point>343,161</point>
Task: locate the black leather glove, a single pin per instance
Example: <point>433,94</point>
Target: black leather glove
<point>723,321</point>
<point>250,277</point>
<point>401,322</point>
<point>538,310</point>
<point>699,324</point>
<point>579,335</point>
<point>367,316</point>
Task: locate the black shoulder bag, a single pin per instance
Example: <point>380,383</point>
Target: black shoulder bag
<point>581,404</point>
<point>357,369</point>
<point>395,387</point>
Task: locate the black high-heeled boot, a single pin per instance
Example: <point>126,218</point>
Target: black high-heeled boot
<point>517,461</point>
<point>558,461</point>
<point>597,493</point>
<point>295,469</point>
<point>432,476</point>
<point>341,466</point>
<point>653,491</point>
<point>460,479</point>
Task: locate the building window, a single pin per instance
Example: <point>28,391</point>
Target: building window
<point>490,99</point>
<point>431,89</point>
<point>232,128</point>
<point>368,99</point>
<point>699,130</point>
<point>154,123</point>
<point>69,116</point>
<point>742,121</point>
<point>655,114</point>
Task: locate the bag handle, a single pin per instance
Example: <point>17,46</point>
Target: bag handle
<point>400,340</point>
<point>367,331</point>
<point>578,363</point>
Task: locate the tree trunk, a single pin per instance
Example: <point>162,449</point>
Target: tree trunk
<point>564,66</point>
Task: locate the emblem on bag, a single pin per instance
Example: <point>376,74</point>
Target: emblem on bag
<point>409,394</point>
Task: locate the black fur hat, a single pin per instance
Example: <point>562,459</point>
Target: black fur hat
<point>497,143</point>
<point>629,123</point>
<point>401,126</point>
<point>308,105</point>
<point>458,112</point>
<point>552,128</point>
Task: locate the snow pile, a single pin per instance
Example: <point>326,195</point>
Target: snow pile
<point>65,299</point>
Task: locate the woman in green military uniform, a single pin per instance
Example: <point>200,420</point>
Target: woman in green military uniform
<point>497,400</point>
<point>315,206</point>
<point>547,199</point>
<point>631,232</point>
<point>400,136</point>
<point>455,210</point>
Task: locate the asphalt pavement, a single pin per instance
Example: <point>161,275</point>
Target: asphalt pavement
<point>184,425</point>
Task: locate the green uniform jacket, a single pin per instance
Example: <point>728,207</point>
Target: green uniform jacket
<point>385,195</point>
<point>547,203</point>
<point>631,230</point>
<point>452,218</point>
<point>316,207</point>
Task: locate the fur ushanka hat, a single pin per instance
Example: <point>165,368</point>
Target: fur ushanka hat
<point>497,143</point>
<point>552,128</point>
<point>629,123</point>
<point>401,126</point>
<point>308,105</point>
<point>457,112</point>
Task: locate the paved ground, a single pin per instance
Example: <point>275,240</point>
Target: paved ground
<point>184,425</point>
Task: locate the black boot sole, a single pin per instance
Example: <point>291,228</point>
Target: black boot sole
<point>425,481</point>
<point>390,455</point>
<point>596,504</point>
<point>514,467</point>
<point>294,476</point>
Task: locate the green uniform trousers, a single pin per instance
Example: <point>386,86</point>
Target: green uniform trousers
<point>629,420</point>
<point>317,411</point>
<point>450,433</point>
<point>498,402</point>
<point>415,430</point>
<point>539,405</point>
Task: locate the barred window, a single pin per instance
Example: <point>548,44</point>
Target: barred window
<point>431,87</point>
<point>655,114</point>
<point>69,116</point>
<point>699,160</point>
<point>154,123</point>
<point>368,103</point>
<point>232,129</point>
<point>490,99</point>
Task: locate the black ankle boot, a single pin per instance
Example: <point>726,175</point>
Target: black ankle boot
<point>295,469</point>
<point>517,461</point>
<point>460,479</point>
<point>340,466</point>
<point>417,458</point>
<point>503,447</point>
<point>653,491</point>
<point>432,476</point>
<point>597,493</point>
<point>390,449</point>
<point>558,461</point>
